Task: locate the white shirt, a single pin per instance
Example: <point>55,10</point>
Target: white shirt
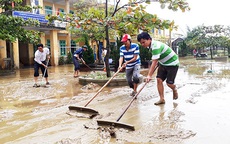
<point>104,52</point>
<point>41,56</point>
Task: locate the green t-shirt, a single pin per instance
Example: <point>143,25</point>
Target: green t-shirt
<point>165,55</point>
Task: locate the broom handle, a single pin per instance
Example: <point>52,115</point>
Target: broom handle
<point>45,70</point>
<point>103,87</point>
<point>134,98</point>
<point>46,67</point>
<point>86,64</point>
<point>131,101</point>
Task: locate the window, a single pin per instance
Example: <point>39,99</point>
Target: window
<point>62,47</point>
<point>153,30</point>
<point>48,10</point>
<point>60,10</point>
<point>48,43</point>
<point>73,46</point>
<point>159,31</point>
<point>72,12</point>
<point>34,3</point>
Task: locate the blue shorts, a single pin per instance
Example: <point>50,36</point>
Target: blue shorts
<point>76,64</point>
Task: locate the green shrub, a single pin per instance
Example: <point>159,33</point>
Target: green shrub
<point>88,55</point>
<point>61,60</point>
<point>69,59</point>
<point>145,54</point>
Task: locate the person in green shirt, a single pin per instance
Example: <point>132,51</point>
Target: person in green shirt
<point>167,61</point>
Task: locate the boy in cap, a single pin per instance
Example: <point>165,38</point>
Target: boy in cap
<point>129,53</point>
<point>168,62</point>
<point>78,56</point>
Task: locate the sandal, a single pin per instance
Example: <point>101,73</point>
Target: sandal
<point>47,83</point>
<point>160,102</point>
<point>133,93</point>
<point>175,94</point>
<point>36,85</point>
<point>75,76</point>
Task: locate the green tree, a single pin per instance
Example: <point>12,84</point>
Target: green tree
<point>206,36</point>
<point>12,28</point>
<point>92,19</point>
<point>183,49</point>
<point>88,55</point>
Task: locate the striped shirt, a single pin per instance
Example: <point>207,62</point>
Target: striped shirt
<point>128,55</point>
<point>41,56</point>
<point>165,55</point>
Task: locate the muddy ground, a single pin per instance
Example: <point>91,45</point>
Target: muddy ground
<point>40,115</point>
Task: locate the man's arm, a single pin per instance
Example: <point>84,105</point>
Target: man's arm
<point>132,60</point>
<point>151,69</point>
<point>48,54</point>
<point>121,59</point>
<point>37,59</point>
<point>77,56</point>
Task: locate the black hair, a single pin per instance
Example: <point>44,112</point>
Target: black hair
<point>84,46</point>
<point>40,45</point>
<point>130,41</point>
<point>143,35</point>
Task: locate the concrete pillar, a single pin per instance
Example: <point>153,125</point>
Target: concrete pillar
<point>43,39</point>
<point>68,43</point>
<point>54,12</point>
<point>67,6</point>
<point>16,54</point>
<point>31,53</point>
<point>54,47</point>
<point>68,38</point>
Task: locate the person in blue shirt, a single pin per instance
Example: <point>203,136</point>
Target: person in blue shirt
<point>129,54</point>
<point>77,57</point>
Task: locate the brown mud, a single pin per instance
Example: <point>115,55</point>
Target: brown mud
<point>40,115</point>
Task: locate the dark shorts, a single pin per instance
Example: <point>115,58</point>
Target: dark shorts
<point>76,63</point>
<point>167,73</point>
<point>36,69</point>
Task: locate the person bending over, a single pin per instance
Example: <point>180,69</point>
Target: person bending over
<point>168,62</point>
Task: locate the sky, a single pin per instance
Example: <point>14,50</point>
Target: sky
<point>207,12</point>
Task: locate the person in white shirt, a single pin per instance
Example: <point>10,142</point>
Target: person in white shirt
<point>103,54</point>
<point>40,62</point>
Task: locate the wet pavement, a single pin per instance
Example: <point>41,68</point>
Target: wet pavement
<point>40,115</point>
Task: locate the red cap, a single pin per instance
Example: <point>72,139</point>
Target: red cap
<point>125,37</point>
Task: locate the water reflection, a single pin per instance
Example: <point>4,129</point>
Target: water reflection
<point>206,67</point>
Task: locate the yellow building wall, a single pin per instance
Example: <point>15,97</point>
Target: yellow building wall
<point>54,47</point>
<point>2,53</point>
<point>16,54</point>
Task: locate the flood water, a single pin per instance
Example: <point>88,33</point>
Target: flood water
<point>40,115</point>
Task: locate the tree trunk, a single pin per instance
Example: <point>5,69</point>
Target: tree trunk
<point>98,52</point>
<point>107,43</point>
<point>211,52</point>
